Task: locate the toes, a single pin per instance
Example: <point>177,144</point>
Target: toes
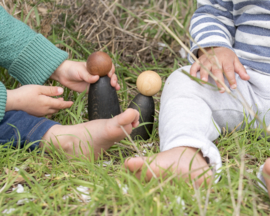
<point>128,117</point>
<point>134,164</point>
<point>138,167</point>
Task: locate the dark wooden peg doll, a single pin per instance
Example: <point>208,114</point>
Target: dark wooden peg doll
<point>102,97</point>
<point>148,84</point>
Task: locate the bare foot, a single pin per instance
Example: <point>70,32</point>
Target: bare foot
<point>266,174</point>
<point>99,134</point>
<point>176,160</point>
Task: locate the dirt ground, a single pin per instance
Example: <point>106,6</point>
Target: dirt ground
<point>114,26</point>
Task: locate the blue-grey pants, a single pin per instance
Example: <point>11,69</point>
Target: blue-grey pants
<point>21,128</point>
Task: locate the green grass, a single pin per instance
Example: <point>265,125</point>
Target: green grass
<point>51,181</point>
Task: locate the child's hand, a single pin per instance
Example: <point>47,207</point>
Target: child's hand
<point>75,76</point>
<point>228,61</point>
<point>36,100</point>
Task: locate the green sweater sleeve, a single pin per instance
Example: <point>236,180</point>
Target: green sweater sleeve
<point>29,57</point>
<point>3,100</point>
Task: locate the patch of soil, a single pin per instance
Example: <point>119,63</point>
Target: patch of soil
<point>108,26</point>
<point>115,26</point>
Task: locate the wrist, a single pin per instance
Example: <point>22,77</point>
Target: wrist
<point>10,104</point>
<point>56,74</point>
<point>206,49</point>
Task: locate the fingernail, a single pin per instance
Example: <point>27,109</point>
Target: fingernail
<point>222,90</point>
<point>60,90</point>
<point>204,79</point>
<point>233,86</point>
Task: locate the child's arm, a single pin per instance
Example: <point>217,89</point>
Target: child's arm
<point>36,100</point>
<point>212,27</point>
<point>28,56</point>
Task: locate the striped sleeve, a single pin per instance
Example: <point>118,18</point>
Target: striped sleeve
<point>212,25</point>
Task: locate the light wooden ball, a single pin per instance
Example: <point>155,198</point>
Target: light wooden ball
<point>99,63</point>
<point>149,83</point>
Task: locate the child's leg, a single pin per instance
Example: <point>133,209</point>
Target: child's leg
<point>99,134</point>
<point>21,128</point>
<point>191,116</point>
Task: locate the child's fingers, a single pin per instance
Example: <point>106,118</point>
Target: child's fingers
<point>59,104</point>
<point>228,68</point>
<point>204,70</point>
<point>114,82</point>
<point>240,69</point>
<point>49,116</point>
<point>51,111</point>
<point>51,90</point>
<point>112,71</point>
<point>87,77</point>
<point>194,69</point>
<point>217,72</point>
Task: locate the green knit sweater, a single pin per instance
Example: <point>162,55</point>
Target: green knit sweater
<point>29,57</point>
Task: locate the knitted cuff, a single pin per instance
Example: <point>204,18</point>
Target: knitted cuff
<point>37,61</point>
<point>3,100</point>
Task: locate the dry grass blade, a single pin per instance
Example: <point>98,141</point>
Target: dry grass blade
<point>240,187</point>
<point>254,197</point>
<point>198,197</point>
<point>208,192</point>
<point>230,183</point>
<point>3,188</point>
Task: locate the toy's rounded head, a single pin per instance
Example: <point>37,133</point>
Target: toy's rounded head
<point>99,63</point>
<point>149,83</point>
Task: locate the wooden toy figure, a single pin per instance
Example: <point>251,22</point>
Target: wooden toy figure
<point>102,97</point>
<point>148,84</point>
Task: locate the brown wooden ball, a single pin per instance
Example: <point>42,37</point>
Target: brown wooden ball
<point>149,83</point>
<point>99,63</point>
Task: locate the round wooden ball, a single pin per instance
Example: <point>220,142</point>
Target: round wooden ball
<point>99,63</point>
<point>148,83</point>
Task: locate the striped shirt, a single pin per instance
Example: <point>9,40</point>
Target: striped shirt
<point>240,25</point>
